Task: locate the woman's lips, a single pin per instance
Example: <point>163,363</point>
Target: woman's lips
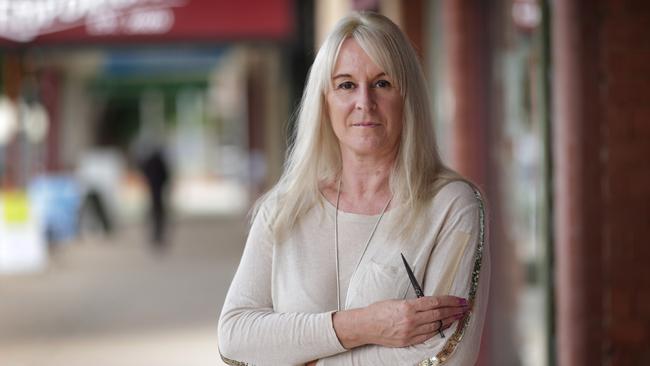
<point>366,124</point>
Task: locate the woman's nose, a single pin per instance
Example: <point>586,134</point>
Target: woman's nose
<point>365,100</point>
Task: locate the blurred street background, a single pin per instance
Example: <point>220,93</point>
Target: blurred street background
<point>136,134</point>
<point>111,302</point>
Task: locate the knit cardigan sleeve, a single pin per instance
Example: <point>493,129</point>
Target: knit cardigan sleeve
<point>250,331</point>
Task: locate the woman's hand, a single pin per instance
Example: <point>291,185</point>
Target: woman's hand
<point>398,323</point>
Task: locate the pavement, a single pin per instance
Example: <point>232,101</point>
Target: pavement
<point>115,301</point>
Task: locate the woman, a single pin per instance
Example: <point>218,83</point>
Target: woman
<point>321,280</point>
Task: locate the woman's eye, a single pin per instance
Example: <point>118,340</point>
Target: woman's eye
<point>382,84</point>
<point>346,85</point>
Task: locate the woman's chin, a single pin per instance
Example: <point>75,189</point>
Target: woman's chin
<point>370,150</point>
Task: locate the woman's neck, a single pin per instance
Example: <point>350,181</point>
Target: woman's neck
<point>365,184</point>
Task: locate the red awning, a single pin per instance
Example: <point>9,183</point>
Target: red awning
<point>116,21</point>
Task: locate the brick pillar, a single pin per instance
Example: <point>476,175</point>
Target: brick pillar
<point>467,41</point>
<point>12,74</point>
<point>50,87</point>
<point>469,53</point>
<point>413,19</point>
<point>601,87</point>
<point>626,93</point>
<point>578,199</point>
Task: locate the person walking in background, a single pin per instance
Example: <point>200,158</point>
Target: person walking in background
<point>156,172</point>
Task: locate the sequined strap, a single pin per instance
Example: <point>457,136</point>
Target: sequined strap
<point>232,362</point>
<point>453,341</point>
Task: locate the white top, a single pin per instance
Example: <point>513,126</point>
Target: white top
<point>278,310</point>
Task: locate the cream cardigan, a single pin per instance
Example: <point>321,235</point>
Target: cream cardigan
<point>278,310</point>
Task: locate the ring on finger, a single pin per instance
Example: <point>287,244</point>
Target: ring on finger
<point>442,335</point>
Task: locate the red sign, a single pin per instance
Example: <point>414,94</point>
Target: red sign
<point>92,21</point>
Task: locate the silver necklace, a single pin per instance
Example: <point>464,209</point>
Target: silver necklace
<point>336,242</point>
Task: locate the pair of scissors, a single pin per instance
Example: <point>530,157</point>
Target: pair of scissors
<point>418,289</point>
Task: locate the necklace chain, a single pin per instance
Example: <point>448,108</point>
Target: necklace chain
<point>336,242</point>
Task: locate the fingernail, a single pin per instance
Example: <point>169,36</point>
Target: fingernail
<point>458,316</point>
<point>463,302</point>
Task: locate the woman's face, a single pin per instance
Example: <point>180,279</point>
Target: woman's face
<point>364,104</point>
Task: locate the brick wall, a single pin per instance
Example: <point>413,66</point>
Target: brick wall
<point>601,92</point>
<point>625,97</point>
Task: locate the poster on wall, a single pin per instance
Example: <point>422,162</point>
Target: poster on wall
<point>22,246</point>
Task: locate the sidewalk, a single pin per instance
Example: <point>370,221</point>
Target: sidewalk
<point>116,302</point>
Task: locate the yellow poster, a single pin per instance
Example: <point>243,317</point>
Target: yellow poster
<point>15,207</point>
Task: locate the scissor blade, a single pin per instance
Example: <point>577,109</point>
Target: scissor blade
<point>414,281</point>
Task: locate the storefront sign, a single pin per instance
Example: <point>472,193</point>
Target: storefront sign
<point>58,21</point>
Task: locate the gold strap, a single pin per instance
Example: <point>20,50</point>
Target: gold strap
<point>232,362</point>
<point>453,341</point>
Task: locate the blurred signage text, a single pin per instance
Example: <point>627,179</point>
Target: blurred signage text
<point>58,21</point>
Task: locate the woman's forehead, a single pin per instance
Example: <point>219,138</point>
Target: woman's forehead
<point>352,58</point>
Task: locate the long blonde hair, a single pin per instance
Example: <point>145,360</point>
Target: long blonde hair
<point>314,156</point>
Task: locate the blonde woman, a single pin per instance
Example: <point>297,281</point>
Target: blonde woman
<point>321,280</point>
